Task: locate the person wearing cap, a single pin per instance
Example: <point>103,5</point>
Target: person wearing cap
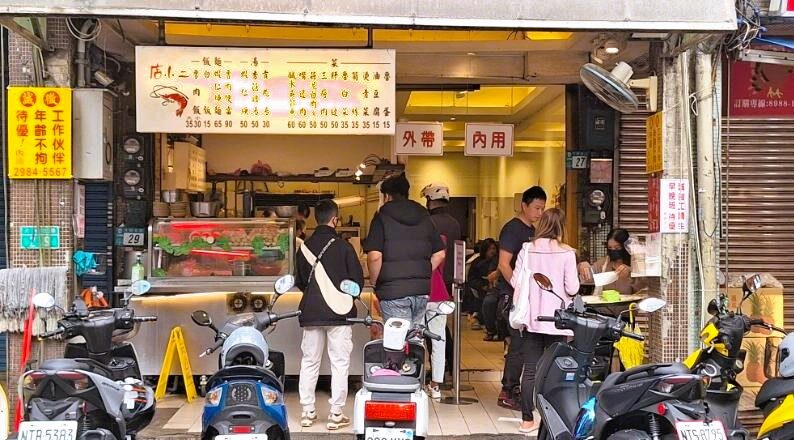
<point>403,248</point>
<point>437,199</point>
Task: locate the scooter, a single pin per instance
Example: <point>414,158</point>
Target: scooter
<point>776,399</point>
<point>95,392</point>
<point>723,357</point>
<point>392,403</point>
<point>649,402</point>
<point>245,398</point>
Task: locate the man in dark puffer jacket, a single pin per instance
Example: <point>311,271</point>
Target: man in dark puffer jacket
<point>403,248</point>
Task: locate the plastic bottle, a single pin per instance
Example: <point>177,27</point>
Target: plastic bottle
<point>138,270</point>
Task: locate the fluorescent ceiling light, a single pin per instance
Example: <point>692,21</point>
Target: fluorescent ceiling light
<point>343,202</point>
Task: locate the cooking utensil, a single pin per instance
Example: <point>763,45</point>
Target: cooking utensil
<point>171,195</point>
<point>286,211</point>
<point>204,209</point>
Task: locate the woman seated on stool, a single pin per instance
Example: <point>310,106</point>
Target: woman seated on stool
<point>618,260</point>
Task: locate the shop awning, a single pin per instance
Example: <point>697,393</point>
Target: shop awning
<point>669,15</point>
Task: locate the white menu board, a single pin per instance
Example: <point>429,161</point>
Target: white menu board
<point>253,90</point>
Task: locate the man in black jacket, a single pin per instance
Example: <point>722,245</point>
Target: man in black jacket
<point>403,248</point>
<point>323,261</point>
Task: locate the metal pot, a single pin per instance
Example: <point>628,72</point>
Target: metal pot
<point>205,209</point>
<point>171,195</point>
<point>286,211</point>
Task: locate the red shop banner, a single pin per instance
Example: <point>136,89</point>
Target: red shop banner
<point>654,205</point>
<point>761,89</point>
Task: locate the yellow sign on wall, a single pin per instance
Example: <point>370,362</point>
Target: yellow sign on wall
<point>39,133</point>
<point>653,144</point>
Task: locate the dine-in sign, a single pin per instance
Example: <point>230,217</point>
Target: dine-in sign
<point>489,140</point>
<point>419,139</point>
<point>253,90</point>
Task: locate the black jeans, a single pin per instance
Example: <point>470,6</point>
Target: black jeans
<point>532,347</point>
<point>490,315</point>
<point>511,375</point>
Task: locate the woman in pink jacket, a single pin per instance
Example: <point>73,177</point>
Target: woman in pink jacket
<point>546,254</point>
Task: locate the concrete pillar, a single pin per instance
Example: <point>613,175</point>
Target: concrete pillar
<point>669,329</point>
<point>36,201</point>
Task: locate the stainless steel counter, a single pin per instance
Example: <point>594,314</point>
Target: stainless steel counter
<point>174,310</point>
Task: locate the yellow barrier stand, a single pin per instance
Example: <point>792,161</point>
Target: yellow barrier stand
<point>176,342</point>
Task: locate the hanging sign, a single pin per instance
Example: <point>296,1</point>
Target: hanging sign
<point>653,204</point>
<point>489,140</point>
<point>39,133</point>
<point>41,237</point>
<point>761,89</point>
<point>253,90</point>
<point>419,139</point>
<point>653,144</point>
<point>576,160</point>
<point>79,210</point>
<point>674,205</point>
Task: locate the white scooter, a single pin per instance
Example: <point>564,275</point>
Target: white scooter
<point>392,403</point>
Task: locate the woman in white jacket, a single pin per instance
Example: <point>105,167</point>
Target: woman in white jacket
<point>546,254</point>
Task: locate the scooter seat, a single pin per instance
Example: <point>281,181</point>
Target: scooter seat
<point>644,371</point>
<point>774,389</point>
<point>64,364</point>
<point>392,384</point>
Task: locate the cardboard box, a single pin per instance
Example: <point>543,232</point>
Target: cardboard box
<point>766,304</point>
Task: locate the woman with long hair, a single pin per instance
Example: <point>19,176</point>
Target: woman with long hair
<point>548,255</point>
<point>618,259</point>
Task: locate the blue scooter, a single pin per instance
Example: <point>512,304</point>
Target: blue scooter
<point>245,398</point>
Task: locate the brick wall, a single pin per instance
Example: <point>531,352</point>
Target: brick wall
<point>36,201</point>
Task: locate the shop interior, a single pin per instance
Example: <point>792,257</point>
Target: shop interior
<point>452,77</point>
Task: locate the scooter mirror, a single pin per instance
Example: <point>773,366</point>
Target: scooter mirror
<point>283,284</point>
<point>140,287</point>
<point>43,300</point>
<point>350,287</point>
<point>543,281</point>
<point>751,285</point>
<point>446,307</point>
<point>650,305</point>
<point>202,318</point>
<point>713,307</point>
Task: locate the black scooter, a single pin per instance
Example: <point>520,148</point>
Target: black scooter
<point>649,402</point>
<point>95,392</point>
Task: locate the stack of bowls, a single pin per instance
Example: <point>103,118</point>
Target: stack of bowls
<point>161,209</point>
<point>179,209</point>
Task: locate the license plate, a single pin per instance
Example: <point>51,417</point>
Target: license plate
<point>701,431</point>
<point>50,430</point>
<point>241,437</point>
<point>388,434</point>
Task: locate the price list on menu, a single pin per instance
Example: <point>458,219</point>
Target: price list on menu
<point>284,91</point>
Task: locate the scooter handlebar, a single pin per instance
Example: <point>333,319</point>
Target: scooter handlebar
<point>431,335</point>
<point>761,323</point>
<point>631,335</point>
<point>213,348</point>
<point>144,318</point>
<point>545,318</point>
<point>294,314</point>
<point>55,332</point>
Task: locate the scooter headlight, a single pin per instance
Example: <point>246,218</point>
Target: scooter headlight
<point>269,396</point>
<point>214,396</point>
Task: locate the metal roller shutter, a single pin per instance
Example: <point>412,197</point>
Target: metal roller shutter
<point>99,232</point>
<point>632,188</point>
<point>758,201</point>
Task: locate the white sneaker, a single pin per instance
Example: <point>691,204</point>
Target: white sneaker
<point>434,392</point>
<point>308,418</point>
<point>337,421</point>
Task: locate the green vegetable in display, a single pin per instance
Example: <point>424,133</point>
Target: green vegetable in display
<point>159,273</point>
<point>180,250</point>
<point>224,243</point>
<point>258,243</point>
<point>283,243</point>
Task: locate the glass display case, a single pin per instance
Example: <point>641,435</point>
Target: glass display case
<point>257,249</point>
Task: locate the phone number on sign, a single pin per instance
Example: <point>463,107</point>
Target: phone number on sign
<point>40,172</point>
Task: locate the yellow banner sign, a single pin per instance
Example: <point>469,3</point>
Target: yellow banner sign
<point>39,133</point>
<point>653,144</point>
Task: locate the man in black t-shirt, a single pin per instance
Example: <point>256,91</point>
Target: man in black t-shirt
<point>515,233</point>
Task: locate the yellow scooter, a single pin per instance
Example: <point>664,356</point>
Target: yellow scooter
<point>722,357</point>
<point>776,397</point>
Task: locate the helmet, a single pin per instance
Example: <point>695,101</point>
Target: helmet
<point>785,356</point>
<point>436,191</point>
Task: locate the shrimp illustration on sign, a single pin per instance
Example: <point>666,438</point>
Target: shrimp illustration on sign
<point>170,95</point>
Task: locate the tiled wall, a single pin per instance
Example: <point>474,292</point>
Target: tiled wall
<point>36,202</point>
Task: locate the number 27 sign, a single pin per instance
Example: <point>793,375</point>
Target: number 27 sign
<point>489,140</point>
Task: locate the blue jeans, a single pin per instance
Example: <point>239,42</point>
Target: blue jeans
<point>411,308</point>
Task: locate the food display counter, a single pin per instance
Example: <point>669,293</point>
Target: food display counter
<point>226,267</point>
